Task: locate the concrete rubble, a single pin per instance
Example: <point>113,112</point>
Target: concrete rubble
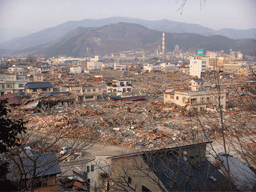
<point>137,124</point>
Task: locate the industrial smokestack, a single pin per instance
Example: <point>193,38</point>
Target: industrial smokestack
<point>163,43</point>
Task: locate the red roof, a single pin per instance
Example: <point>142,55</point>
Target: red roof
<point>12,98</point>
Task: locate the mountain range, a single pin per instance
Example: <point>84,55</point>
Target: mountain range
<point>8,34</point>
<point>54,33</point>
<point>85,41</point>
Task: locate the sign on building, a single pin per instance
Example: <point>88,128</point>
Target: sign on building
<point>200,52</point>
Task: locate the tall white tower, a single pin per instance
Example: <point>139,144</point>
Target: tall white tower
<point>163,43</point>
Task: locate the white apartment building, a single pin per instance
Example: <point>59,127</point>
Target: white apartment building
<point>168,68</point>
<point>84,93</point>
<point>94,65</point>
<point>119,86</point>
<point>120,67</point>
<point>75,70</point>
<point>11,83</point>
<point>197,67</point>
<point>16,70</point>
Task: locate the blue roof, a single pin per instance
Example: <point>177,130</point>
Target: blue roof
<point>124,79</point>
<point>252,79</point>
<point>38,85</point>
<point>19,81</point>
<point>199,80</point>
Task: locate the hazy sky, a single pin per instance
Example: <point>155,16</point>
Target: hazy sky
<point>35,15</point>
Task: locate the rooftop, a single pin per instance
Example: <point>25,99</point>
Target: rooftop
<point>199,80</point>
<point>38,85</point>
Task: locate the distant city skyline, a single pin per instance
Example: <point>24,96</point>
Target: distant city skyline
<point>33,15</point>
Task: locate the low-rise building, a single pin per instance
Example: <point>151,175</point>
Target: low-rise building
<point>98,78</point>
<point>94,65</point>
<point>180,168</point>
<point>84,93</point>
<point>168,68</point>
<point>10,83</point>
<point>38,77</point>
<point>121,67</point>
<point>90,93</point>
<point>17,70</point>
<point>38,87</point>
<point>76,70</point>
<point>119,86</point>
<point>35,171</point>
<point>197,98</point>
<point>233,67</point>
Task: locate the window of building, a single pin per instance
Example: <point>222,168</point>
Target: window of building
<point>20,85</point>
<point>88,96</point>
<point>88,90</point>
<point>42,182</point>
<point>177,97</point>
<point>129,180</point>
<point>34,90</point>
<point>94,90</point>
<point>88,169</point>
<point>193,100</point>
<point>44,89</point>
<point>92,168</point>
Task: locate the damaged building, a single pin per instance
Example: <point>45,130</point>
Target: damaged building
<point>197,98</point>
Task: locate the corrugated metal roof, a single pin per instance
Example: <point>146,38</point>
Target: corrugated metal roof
<point>31,105</point>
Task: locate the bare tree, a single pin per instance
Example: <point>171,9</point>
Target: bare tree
<point>184,2</point>
<point>30,59</point>
<point>38,156</point>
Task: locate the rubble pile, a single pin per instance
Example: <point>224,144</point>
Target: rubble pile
<point>135,124</point>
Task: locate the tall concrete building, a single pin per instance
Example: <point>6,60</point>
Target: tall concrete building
<point>197,67</point>
<point>232,55</point>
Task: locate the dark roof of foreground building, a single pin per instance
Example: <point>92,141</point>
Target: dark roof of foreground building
<point>177,173</point>
<point>46,165</point>
<point>38,85</point>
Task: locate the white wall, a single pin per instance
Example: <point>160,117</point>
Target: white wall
<point>197,67</point>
